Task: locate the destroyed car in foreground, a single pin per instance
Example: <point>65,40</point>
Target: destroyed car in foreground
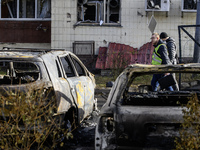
<point>135,117</point>
<point>73,85</point>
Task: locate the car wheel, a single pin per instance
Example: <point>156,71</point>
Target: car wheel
<point>70,120</point>
<point>69,124</point>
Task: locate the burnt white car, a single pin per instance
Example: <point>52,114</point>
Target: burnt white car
<point>73,85</point>
<point>134,117</point>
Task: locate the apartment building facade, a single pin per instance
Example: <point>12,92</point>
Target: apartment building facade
<point>82,26</point>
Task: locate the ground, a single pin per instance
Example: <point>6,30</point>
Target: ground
<point>85,134</point>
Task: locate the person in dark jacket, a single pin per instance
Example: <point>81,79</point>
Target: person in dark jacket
<point>171,47</point>
<point>160,56</point>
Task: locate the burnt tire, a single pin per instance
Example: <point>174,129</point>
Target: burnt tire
<point>70,120</point>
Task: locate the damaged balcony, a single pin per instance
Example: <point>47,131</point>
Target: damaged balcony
<point>25,9</point>
<point>25,21</point>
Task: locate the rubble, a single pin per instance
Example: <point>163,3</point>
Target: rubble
<point>118,55</point>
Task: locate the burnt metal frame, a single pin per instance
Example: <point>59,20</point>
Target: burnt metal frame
<point>179,33</point>
<point>13,49</point>
<point>180,49</point>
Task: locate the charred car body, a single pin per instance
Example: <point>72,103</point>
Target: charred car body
<point>134,117</point>
<point>73,85</point>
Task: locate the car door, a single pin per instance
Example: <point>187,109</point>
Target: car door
<point>87,83</point>
<point>60,84</point>
<point>76,84</point>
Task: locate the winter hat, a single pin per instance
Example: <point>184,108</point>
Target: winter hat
<point>163,35</point>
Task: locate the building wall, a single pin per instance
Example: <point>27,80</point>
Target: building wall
<point>25,34</point>
<point>133,31</point>
<point>25,45</point>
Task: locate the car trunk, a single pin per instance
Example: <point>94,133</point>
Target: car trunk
<point>12,73</point>
<point>17,78</point>
<point>149,120</point>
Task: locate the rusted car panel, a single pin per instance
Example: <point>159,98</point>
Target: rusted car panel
<point>135,120</point>
<point>72,90</point>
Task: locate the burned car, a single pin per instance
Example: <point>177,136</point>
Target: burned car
<point>73,85</point>
<point>135,117</point>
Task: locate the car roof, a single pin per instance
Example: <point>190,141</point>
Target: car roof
<point>142,68</point>
<point>29,53</point>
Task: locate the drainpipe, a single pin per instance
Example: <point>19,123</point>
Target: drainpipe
<point>196,56</point>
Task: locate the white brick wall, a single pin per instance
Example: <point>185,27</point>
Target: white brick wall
<point>134,30</point>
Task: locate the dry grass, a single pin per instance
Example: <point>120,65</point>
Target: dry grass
<point>144,80</point>
<point>27,120</point>
<point>190,128</point>
<point>101,80</point>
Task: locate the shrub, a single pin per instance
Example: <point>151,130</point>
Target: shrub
<point>28,120</point>
<point>119,63</point>
<point>190,128</point>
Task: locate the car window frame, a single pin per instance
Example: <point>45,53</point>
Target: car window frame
<point>71,63</point>
<point>59,67</point>
<point>37,65</point>
<point>80,64</point>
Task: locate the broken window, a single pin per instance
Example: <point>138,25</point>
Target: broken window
<point>190,4</point>
<point>25,9</point>
<point>79,68</point>
<point>139,91</point>
<point>67,67</point>
<point>99,11</point>
<point>18,72</point>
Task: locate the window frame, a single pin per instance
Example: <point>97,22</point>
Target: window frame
<point>24,19</point>
<point>96,23</point>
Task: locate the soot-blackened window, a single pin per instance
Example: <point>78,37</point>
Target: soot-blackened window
<point>190,4</point>
<point>98,11</point>
<point>18,72</point>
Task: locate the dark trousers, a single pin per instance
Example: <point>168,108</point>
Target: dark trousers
<point>155,84</point>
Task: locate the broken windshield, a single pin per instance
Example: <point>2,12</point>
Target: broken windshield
<point>140,92</point>
<point>17,72</point>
